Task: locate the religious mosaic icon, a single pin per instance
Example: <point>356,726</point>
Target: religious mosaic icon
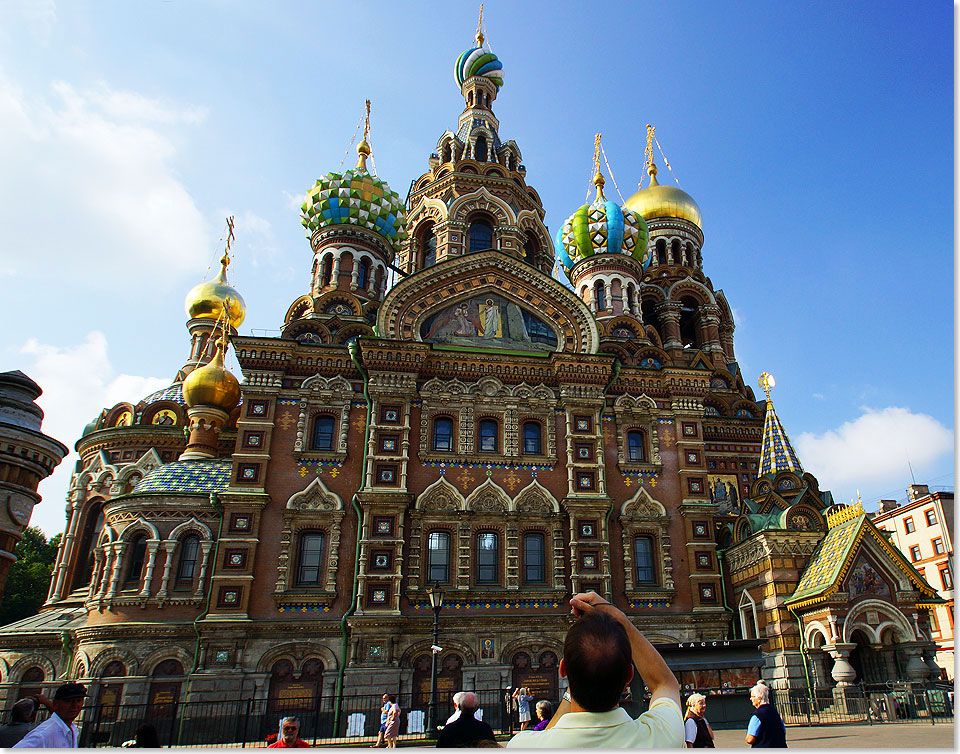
<point>490,321</point>
<point>486,648</point>
<point>164,417</point>
<point>724,492</point>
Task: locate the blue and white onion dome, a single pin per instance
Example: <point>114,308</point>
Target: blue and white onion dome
<point>478,62</point>
<point>602,228</point>
<point>355,197</point>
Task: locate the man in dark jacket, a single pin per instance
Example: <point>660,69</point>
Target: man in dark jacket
<point>467,731</point>
<point>766,729</point>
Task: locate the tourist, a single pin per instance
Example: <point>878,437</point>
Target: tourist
<point>288,737</point>
<point>384,711</point>
<point>145,737</point>
<point>457,698</point>
<point>599,654</point>
<point>393,723</point>
<point>467,731</point>
<point>522,695</point>
<point>766,729</point>
<point>58,730</point>
<point>544,713</point>
<point>24,715</point>
<point>697,731</point>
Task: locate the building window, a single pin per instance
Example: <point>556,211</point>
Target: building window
<point>309,558</point>
<point>487,436</point>
<point>438,557</point>
<point>938,546</point>
<point>908,525</point>
<point>487,558</point>
<point>643,560</point>
<point>931,517</point>
<point>946,579</point>
<point>480,149</point>
<point>363,274</point>
<point>534,565</point>
<point>635,446</point>
<point>601,295</point>
<point>323,432</point>
<point>189,548</point>
<point>531,250</point>
<point>532,438</point>
<point>428,243</point>
<point>481,235</point>
<point>137,552</point>
<point>915,553</point>
<point>443,433</point>
<point>326,270</point>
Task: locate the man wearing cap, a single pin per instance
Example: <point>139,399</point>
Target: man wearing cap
<point>58,730</point>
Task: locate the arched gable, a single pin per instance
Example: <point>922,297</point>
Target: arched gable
<point>315,497</point>
<point>690,287</point>
<point>192,526</point>
<point>137,526</point>
<point>441,496</point>
<point>641,505</point>
<point>535,498</point>
<point>482,200</point>
<point>489,497</point>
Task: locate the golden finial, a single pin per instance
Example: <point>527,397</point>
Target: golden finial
<point>222,342</point>
<point>480,28</point>
<point>225,259</point>
<point>767,382</point>
<point>651,165</point>
<point>363,148</point>
<point>597,175</point>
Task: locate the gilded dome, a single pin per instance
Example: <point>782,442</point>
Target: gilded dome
<point>602,228</point>
<point>664,201</point>
<point>478,62</point>
<point>212,385</point>
<point>207,300</point>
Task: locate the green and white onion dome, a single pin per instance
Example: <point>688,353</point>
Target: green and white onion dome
<point>478,62</point>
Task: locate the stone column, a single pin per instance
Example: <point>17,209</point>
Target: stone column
<point>168,548</point>
<point>110,555</point>
<point>843,672</point>
<point>118,548</point>
<point>152,546</point>
<point>204,563</point>
<point>669,314</point>
<point>355,272</point>
<point>916,670</point>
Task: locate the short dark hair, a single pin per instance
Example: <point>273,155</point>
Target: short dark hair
<point>392,698</point>
<point>597,658</point>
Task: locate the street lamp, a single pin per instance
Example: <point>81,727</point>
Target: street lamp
<point>436,602</point>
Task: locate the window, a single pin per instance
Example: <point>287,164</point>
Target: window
<point>189,547</point>
<point>915,553</point>
<point>487,557</point>
<point>323,432</point>
<point>643,560</point>
<point>600,294</point>
<point>934,623</point>
<point>534,566</point>
<point>946,579</point>
<point>908,525</point>
<point>635,449</point>
<point>309,558</point>
<point>481,235</point>
<point>438,557</point>
<point>363,274</point>
<point>137,552</point>
<point>938,546</point>
<point>480,150</point>
<point>91,533</point>
<point>326,270</point>
<point>931,517</point>
<point>530,250</point>
<point>429,245</point>
<point>442,433</point>
<point>630,298</point>
<point>531,438</point>
<point>487,436</point>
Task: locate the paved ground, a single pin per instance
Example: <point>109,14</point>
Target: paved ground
<point>886,735</point>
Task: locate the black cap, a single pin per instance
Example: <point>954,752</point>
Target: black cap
<point>71,691</point>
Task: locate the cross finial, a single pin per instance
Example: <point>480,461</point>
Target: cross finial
<point>597,175</point>
<point>363,148</point>
<point>651,165</point>
<point>225,259</point>
<point>366,122</point>
<point>222,321</point>
<point>480,28</point>
<point>767,382</point>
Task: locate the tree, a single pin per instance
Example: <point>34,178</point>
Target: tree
<point>29,577</point>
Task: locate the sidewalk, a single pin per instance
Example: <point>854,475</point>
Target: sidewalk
<point>886,736</point>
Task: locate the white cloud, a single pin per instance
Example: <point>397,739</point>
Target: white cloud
<point>38,17</point>
<point>873,449</point>
<point>78,381</point>
<point>818,396</point>
<point>95,169</point>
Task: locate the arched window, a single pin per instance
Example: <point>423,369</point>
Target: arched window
<point>488,440</point>
<point>661,251</point>
<point>676,252</point>
<point>322,433</point>
<point>326,270</point>
<point>643,560</point>
<point>480,150</point>
<point>113,669</point>
<point>630,298</point>
<point>189,548</point>
<point>138,550</point>
<point>534,558</point>
<point>443,433</point>
<point>309,559</point>
<point>488,557</point>
<point>428,245</point>
<point>532,438</point>
<point>91,533</point>
<point>635,446</point>
<point>530,249</point>
<point>363,274</point>
<point>689,322</point>
<point>31,682</point>
<point>445,153</point>
<point>438,557</point>
<point>688,251</point>
<point>481,235</point>
<point>601,295</point>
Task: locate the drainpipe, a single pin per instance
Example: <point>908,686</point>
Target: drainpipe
<point>613,378</point>
<point>353,348</point>
<point>803,654</point>
<point>723,593</point>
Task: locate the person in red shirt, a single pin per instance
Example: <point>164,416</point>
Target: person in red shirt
<point>287,738</point>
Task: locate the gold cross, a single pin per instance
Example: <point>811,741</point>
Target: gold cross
<point>480,28</point>
<point>465,478</point>
<point>286,419</point>
<point>511,480</point>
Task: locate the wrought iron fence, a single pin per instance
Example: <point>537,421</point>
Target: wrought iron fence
<point>869,704</point>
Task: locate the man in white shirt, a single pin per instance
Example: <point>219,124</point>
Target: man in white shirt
<point>599,653</point>
<point>58,730</point>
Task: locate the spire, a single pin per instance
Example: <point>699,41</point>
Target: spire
<point>777,454</point>
<point>651,165</point>
<point>597,175</point>
<point>479,36</point>
<point>363,148</point>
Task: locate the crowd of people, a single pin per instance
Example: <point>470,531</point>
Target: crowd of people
<point>601,653</point>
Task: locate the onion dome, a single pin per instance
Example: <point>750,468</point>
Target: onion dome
<point>208,300</point>
<point>478,62</point>
<point>212,385</point>
<point>602,228</point>
<point>664,201</point>
<point>355,197</point>
<point>202,476</point>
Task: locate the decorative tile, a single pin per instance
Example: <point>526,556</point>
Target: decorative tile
<point>201,477</point>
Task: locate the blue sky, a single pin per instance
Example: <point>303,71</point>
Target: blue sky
<point>816,137</point>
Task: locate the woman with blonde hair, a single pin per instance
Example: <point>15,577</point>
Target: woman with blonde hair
<point>697,731</point>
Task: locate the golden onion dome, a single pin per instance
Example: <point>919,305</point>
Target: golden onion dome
<point>212,385</point>
<point>207,300</point>
<point>664,201</point>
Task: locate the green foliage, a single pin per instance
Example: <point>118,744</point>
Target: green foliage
<point>29,577</point>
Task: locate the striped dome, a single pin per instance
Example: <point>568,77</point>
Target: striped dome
<point>602,228</point>
<point>479,62</point>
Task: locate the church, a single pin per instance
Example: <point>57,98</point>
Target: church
<point>442,417</point>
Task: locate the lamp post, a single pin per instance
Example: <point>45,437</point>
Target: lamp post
<point>436,602</point>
